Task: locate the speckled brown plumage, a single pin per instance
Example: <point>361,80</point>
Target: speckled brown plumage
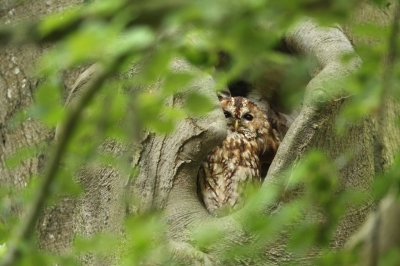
<point>233,167</point>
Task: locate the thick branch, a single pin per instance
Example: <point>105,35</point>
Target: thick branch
<point>327,46</point>
<point>380,233</point>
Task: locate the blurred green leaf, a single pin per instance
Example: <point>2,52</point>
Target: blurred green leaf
<point>101,243</point>
<point>22,154</point>
<point>156,66</point>
<point>176,82</point>
<point>381,186</point>
<point>381,3</point>
<point>4,231</point>
<point>65,185</point>
<point>135,39</point>
<point>340,257</point>
<point>57,21</point>
<point>198,104</point>
<point>48,107</point>
<point>303,238</point>
<point>141,232</point>
<point>390,257</point>
<point>270,228</point>
<point>105,7</point>
<point>199,56</point>
<point>206,236</point>
<point>88,41</point>
<point>3,249</point>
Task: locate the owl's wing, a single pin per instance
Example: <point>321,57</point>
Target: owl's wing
<point>201,177</point>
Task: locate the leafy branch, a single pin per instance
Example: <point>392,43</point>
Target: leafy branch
<point>27,226</point>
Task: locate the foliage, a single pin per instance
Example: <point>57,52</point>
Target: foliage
<point>116,33</point>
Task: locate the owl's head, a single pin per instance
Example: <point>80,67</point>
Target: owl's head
<point>243,117</point>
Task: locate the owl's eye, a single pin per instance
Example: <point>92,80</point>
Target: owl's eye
<point>248,117</point>
<point>227,114</point>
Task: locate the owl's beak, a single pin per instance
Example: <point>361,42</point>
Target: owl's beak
<point>236,124</point>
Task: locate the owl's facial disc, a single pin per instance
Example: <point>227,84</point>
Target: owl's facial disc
<point>238,114</point>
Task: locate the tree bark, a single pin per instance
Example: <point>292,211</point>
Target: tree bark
<point>17,88</point>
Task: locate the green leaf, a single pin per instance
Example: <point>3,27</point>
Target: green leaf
<point>14,160</point>
<point>199,56</point>
<point>390,257</point>
<point>48,107</point>
<point>156,65</point>
<point>303,238</point>
<point>381,3</point>
<point>100,244</point>
<point>4,231</point>
<point>205,236</point>
<point>87,43</point>
<point>58,21</point>
<point>3,249</point>
<point>381,186</point>
<point>176,82</point>
<point>105,7</point>
<point>141,231</point>
<point>198,104</point>
<point>135,39</point>
<point>64,184</point>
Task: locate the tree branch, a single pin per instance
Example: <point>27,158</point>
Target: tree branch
<point>27,227</point>
<point>327,46</point>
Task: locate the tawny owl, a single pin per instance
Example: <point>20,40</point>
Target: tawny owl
<point>235,165</point>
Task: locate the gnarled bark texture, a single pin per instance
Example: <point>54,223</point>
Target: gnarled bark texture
<point>17,88</point>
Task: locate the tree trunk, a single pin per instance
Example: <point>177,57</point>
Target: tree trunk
<point>168,164</point>
<point>17,88</point>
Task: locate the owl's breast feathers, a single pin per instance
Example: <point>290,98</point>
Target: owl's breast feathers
<point>243,151</point>
<point>227,173</point>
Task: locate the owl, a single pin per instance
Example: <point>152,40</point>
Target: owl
<point>234,167</point>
